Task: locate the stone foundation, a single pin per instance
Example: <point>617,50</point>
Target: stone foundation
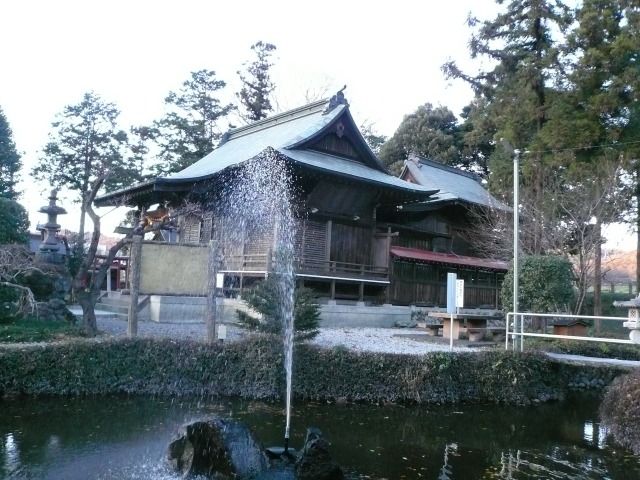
<point>183,309</point>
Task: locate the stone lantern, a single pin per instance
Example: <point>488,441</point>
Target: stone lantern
<point>633,321</point>
<point>49,248</point>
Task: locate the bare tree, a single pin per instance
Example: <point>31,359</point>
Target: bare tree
<point>15,260</point>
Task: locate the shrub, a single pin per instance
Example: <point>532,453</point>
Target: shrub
<point>40,283</point>
<point>620,410</point>
<point>545,284</point>
<point>9,298</point>
<point>263,299</point>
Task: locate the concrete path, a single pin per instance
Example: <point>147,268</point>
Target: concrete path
<point>611,362</point>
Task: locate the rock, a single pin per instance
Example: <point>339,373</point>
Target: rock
<point>54,309</point>
<point>216,448</point>
<point>314,461</point>
<point>406,323</point>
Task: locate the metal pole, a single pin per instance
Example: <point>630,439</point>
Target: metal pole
<point>212,297</point>
<point>516,238</point>
<point>516,234</point>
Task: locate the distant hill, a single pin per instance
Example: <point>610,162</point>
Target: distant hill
<point>619,265</point>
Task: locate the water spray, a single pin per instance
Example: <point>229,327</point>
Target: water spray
<point>261,199</point>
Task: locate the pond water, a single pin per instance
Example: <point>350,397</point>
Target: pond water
<point>126,437</point>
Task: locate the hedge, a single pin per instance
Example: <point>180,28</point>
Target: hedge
<point>252,368</point>
<point>620,410</point>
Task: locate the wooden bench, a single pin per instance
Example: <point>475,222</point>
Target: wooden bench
<point>434,328</point>
<point>477,334</point>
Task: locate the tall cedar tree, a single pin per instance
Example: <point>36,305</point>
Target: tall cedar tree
<point>192,128</point>
<point>9,161</point>
<point>429,132</point>
<point>257,84</point>
<point>514,93</point>
<point>85,155</point>
<point>596,108</point>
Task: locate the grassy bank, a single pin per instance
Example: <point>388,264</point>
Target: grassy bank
<point>33,330</point>
<point>252,368</point>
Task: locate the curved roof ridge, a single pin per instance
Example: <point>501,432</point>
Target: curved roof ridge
<point>282,117</point>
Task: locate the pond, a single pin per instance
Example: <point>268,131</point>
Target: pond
<point>126,437</point>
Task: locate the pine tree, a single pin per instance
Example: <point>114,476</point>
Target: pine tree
<point>257,84</point>
<point>10,163</point>
<point>85,154</point>
<point>192,128</point>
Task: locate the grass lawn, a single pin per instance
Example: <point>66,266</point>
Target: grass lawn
<point>31,330</point>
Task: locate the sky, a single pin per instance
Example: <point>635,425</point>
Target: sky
<point>134,52</point>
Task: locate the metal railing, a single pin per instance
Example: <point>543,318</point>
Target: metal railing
<point>517,320</point>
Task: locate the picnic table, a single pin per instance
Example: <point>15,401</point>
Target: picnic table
<point>473,323</point>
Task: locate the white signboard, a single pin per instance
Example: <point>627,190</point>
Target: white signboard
<point>459,293</point>
<point>451,292</point>
<point>219,280</point>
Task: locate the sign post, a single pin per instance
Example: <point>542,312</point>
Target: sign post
<point>459,294</point>
<point>452,280</point>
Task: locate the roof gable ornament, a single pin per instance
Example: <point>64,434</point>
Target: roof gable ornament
<point>337,99</point>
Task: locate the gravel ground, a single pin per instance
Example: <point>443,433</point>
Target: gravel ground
<point>383,340</point>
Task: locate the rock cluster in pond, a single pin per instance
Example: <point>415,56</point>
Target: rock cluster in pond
<point>226,449</point>
<point>314,462</point>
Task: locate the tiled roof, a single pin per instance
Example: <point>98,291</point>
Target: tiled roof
<point>289,134</point>
<point>454,184</point>
<point>244,143</point>
<point>284,133</point>
<point>426,256</point>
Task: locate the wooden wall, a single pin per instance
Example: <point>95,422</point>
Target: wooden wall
<point>414,283</point>
<point>350,244</point>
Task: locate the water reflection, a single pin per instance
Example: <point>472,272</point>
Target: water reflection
<point>595,434</point>
<point>124,438</point>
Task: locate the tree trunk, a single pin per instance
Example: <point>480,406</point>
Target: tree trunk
<point>597,273</point>
<point>87,301</point>
<point>638,234</point>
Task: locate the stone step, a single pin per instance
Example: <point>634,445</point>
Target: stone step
<point>120,309</point>
<point>100,313</point>
<point>113,303</point>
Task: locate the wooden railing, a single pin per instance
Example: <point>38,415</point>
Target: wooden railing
<point>260,263</point>
<point>342,269</point>
<point>246,263</point>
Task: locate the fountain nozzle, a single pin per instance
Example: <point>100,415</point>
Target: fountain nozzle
<point>286,440</point>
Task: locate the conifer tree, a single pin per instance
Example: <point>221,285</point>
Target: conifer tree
<point>10,163</point>
<point>85,154</point>
<point>257,84</point>
<point>516,92</point>
<point>431,132</point>
<point>194,123</point>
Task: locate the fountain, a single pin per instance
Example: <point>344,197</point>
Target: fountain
<point>258,202</point>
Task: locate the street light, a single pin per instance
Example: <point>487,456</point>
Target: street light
<point>516,228</point>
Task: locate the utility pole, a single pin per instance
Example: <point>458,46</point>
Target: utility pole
<point>516,230</point>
